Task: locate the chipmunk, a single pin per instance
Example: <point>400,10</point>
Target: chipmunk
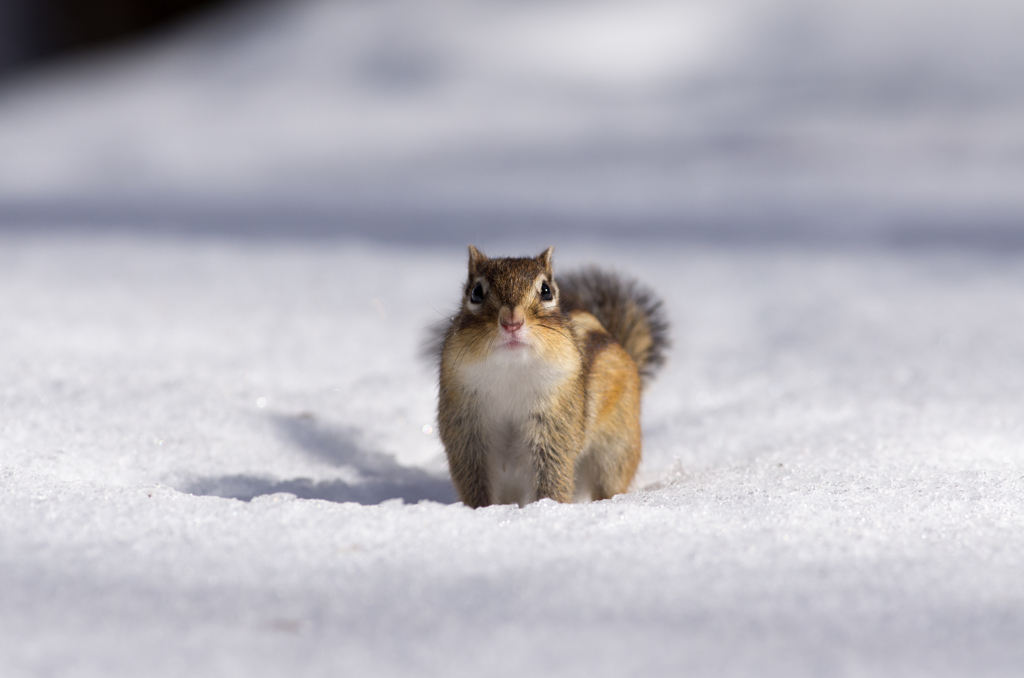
<point>540,381</point>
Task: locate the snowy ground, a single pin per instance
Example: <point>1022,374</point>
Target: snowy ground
<point>832,482</point>
<point>218,258</point>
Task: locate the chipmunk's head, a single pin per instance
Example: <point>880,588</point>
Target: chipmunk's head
<point>512,301</point>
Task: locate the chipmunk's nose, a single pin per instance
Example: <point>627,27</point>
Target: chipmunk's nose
<point>511,320</point>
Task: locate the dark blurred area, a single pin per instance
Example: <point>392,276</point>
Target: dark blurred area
<point>745,120</point>
<point>35,30</point>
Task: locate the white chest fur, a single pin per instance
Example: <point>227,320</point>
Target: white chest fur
<point>509,386</point>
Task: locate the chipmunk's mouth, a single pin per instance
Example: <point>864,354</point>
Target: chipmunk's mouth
<point>513,341</point>
<point>514,344</point>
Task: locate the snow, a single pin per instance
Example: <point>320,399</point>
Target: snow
<point>219,260</point>
<point>831,484</point>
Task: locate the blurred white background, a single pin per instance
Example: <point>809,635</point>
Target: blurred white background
<point>743,119</point>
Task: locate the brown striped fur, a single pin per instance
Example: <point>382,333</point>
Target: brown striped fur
<point>546,408</point>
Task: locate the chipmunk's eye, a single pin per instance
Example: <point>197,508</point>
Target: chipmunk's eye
<point>477,295</point>
<point>545,292</point>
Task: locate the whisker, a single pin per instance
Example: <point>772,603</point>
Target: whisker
<point>439,312</point>
<point>473,338</point>
<point>567,337</point>
<point>448,318</point>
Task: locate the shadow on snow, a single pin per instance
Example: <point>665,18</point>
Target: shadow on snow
<point>381,477</point>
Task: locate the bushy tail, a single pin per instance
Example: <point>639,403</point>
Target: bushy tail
<point>628,310</point>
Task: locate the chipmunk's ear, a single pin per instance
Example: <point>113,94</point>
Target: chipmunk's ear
<point>544,259</point>
<point>476,257</point>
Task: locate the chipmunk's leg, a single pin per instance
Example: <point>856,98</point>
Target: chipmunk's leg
<point>587,475</point>
<point>613,452</point>
<point>557,442</point>
<point>464,445</point>
<point>468,471</point>
<point>612,463</point>
<point>469,475</point>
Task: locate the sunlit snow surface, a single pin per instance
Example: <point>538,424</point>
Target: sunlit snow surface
<point>832,480</point>
<point>220,253</point>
